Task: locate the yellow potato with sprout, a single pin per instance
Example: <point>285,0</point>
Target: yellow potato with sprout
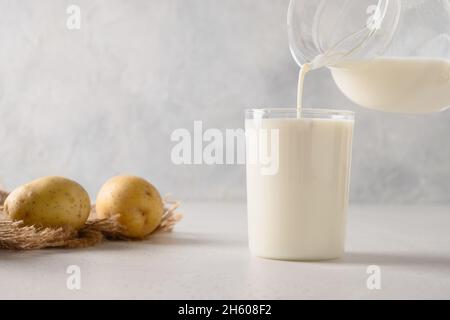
<point>135,201</point>
<point>49,202</point>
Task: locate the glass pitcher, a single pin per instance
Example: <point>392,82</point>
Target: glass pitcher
<point>389,55</point>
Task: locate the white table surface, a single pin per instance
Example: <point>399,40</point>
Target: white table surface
<point>207,258</point>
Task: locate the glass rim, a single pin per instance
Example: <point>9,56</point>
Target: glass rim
<point>306,112</point>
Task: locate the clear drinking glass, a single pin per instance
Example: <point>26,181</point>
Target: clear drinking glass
<point>298,182</point>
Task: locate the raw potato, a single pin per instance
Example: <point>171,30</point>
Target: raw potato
<point>137,203</point>
<point>49,202</point>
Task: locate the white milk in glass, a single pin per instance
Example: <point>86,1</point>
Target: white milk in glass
<point>299,213</point>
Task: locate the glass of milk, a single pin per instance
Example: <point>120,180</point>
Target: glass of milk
<point>298,168</point>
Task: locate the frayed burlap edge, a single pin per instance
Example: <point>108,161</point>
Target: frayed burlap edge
<point>17,236</point>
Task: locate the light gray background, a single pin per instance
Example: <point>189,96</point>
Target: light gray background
<point>104,100</point>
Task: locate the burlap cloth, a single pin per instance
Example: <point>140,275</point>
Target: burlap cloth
<point>16,236</point>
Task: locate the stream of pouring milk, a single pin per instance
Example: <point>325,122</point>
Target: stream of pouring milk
<point>301,80</point>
